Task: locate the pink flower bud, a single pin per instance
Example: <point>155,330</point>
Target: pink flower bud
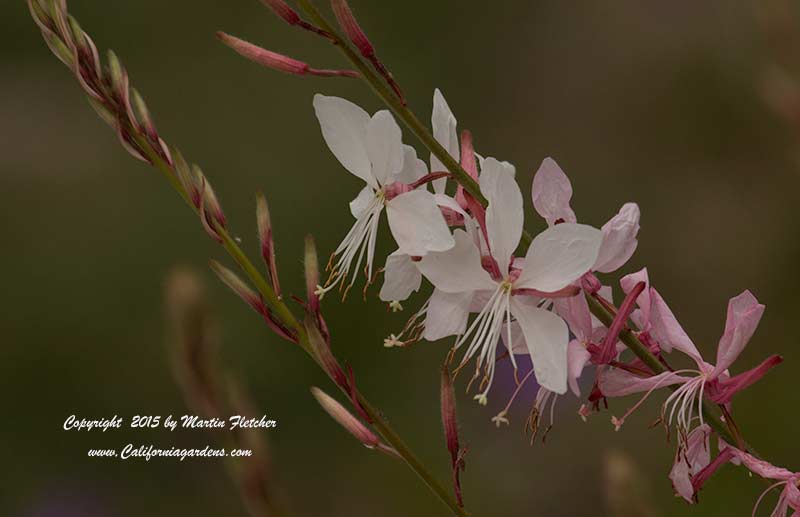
<point>282,10</point>
<point>267,242</point>
<point>311,264</point>
<point>209,198</point>
<point>230,279</point>
<point>277,61</point>
<point>343,417</point>
<point>348,23</point>
<point>450,425</point>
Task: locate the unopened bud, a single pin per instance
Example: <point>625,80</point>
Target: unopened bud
<point>237,285</point>
<point>282,10</point>
<point>348,23</point>
<point>311,264</point>
<point>343,417</point>
<point>266,240</point>
<point>210,200</point>
<point>277,61</point>
<point>143,115</point>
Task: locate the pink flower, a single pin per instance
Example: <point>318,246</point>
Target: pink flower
<point>707,381</point>
<point>691,457</point>
<point>479,270</point>
<point>790,481</point>
<point>552,192</point>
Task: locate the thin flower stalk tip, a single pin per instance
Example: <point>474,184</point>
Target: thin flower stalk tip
<point>277,61</point>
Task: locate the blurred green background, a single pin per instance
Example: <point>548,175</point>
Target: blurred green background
<point>652,102</point>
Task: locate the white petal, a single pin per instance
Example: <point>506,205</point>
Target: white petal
<point>558,256</point>
<point>417,224</point>
<point>577,359</point>
<point>546,336</point>
<point>384,147</point>
<point>344,128</point>
<point>446,315</point>
<point>551,193</point>
<point>458,269</point>
<point>445,201</point>
<point>619,239</point>
<point>504,215</point>
<point>443,123</point>
<point>413,168</point>
<point>362,201</point>
<point>400,277</point>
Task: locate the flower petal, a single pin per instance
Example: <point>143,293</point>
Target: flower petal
<point>413,168</point>
<point>384,147</point>
<point>400,277</point>
<point>443,123</point>
<point>551,193</point>
<point>577,358</point>
<point>668,332</point>
<point>575,311</point>
<point>457,270</point>
<point>361,202</point>
<point>692,457</point>
<point>417,223</point>
<point>546,336</point>
<point>446,315</point>
<point>558,256</point>
<point>504,215</point>
<point>744,314</point>
<point>344,128</point>
<point>619,239</point>
<point>614,382</point>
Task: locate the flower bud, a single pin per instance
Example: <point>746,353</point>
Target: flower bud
<point>238,286</point>
<point>143,115</point>
<point>282,10</point>
<point>348,23</point>
<point>343,417</point>
<point>210,200</point>
<point>311,264</point>
<point>277,61</point>
<point>267,242</point>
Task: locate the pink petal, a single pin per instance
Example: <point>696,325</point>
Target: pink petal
<point>552,192</point>
<point>575,311</point>
<point>615,382</point>
<point>667,331</point>
<point>577,357</point>
<point>619,239</point>
<point>690,458</point>
<point>744,314</point>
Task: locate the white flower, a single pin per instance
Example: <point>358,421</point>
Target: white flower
<point>555,259</point>
<point>371,148</point>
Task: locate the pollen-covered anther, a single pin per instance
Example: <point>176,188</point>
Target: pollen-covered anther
<point>500,418</point>
<point>395,306</point>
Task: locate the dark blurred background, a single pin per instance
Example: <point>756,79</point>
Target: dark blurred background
<point>658,103</point>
